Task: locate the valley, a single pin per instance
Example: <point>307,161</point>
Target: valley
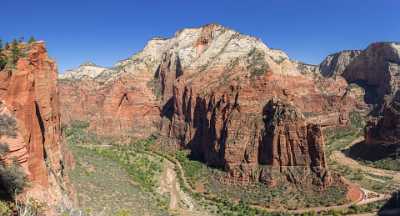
<point>207,122</point>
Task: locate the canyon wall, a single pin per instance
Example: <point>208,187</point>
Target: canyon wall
<point>207,90</point>
<point>29,95</point>
<point>377,70</point>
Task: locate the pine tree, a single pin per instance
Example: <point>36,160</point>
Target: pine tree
<point>15,52</point>
<point>31,40</point>
<point>1,45</point>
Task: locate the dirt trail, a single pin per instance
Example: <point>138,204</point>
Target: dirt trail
<point>366,196</point>
<point>342,159</point>
<point>180,202</point>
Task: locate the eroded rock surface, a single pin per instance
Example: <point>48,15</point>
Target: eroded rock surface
<point>29,94</point>
<point>385,129</point>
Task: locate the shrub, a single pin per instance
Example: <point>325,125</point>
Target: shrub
<point>3,149</point>
<point>8,126</point>
<point>257,64</point>
<point>12,179</point>
<point>31,207</point>
<point>5,208</point>
<point>3,62</point>
<point>31,40</point>
<point>15,53</point>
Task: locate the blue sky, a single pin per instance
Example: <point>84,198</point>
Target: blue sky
<point>107,31</point>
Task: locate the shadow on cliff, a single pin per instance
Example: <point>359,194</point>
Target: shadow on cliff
<point>371,96</point>
<point>392,206</point>
<point>265,148</point>
<point>372,152</point>
<point>205,145</point>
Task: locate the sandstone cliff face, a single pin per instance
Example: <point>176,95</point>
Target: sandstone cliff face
<point>125,105</point>
<point>336,64</point>
<point>207,88</point>
<point>385,129</point>
<point>207,56</point>
<point>376,69</point>
<point>29,94</point>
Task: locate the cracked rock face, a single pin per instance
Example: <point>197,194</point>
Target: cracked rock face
<point>29,95</point>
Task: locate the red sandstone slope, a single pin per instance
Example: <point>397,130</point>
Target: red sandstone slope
<point>29,93</point>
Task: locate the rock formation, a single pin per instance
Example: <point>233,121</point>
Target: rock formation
<point>29,95</point>
<point>385,129</point>
<point>377,70</point>
<point>128,97</point>
<point>207,88</point>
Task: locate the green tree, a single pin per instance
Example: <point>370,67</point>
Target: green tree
<point>15,52</point>
<point>1,45</point>
<point>31,40</point>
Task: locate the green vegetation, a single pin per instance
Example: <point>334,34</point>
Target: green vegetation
<point>31,40</point>
<point>339,140</point>
<point>15,52</point>
<point>10,54</point>
<point>126,174</point>
<point>12,178</point>
<point>112,179</point>
<point>386,163</point>
<point>195,171</point>
<point>154,84</point>
<point>8,126</point>
<point>256,62</point>
<point>206,181</point>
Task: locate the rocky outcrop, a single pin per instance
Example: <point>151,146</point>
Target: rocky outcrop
<point>385,129</point>
<point>376,69</point>
<point>335,64</point>
<point>29,94</point>
<point>84,71</point>
<point>209,57</point>
<point>207,89</point>
<point>125,105</point>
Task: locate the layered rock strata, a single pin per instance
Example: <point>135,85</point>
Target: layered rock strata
<point>29,95</point>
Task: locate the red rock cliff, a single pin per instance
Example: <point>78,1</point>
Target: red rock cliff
<point>29,93</point>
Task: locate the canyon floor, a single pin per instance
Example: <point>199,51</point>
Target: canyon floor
<point>112,178</point>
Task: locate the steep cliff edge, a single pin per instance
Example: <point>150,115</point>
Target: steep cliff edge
<point>386,128</point>
<point>29,94</point>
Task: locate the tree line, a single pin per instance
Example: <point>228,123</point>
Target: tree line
<point>10,52</point>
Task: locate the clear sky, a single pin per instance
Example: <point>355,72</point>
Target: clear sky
<point>105,31</point>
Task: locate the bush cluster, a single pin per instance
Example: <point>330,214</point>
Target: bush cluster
<point>12,177</point>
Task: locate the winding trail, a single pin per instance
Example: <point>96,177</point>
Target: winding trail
<point>181,203</point>
<point>369,196</point>
<point>343,159</point>
<point>362,196</point>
